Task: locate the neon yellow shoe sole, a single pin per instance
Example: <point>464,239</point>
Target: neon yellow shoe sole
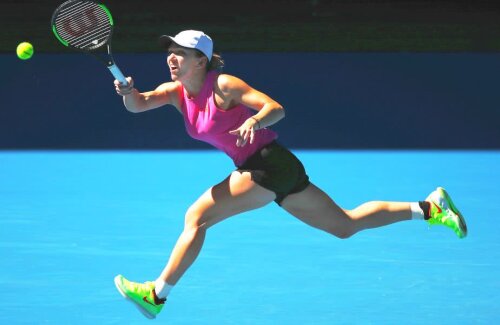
<point>444,212</point>
<point>141,295</point>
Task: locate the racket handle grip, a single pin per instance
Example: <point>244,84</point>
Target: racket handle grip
<point>118,74</point>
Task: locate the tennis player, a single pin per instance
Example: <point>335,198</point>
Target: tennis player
<point>232,116</point>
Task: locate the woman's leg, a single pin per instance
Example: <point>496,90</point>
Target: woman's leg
<point>317,209</point>
<point>236,194</point>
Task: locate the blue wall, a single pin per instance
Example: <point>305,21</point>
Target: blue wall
<point>333,100</point>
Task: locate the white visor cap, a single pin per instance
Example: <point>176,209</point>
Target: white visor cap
<point>192,39</point>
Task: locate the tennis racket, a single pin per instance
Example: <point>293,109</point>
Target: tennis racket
<point>87,26</point>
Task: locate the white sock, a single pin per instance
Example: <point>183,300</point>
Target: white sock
<point>416,211</point>
<point>162,288</point>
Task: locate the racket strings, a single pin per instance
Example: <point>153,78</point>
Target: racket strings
<point>89,38</point>
<point>82,30</point>
<point>76,14</point>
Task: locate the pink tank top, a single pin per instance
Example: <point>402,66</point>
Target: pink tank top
<point>206,122</point>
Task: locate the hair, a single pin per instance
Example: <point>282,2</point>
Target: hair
<point>216,63</point>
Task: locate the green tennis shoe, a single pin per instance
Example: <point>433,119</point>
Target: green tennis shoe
<point>444,212</point>
<point>142,295</point>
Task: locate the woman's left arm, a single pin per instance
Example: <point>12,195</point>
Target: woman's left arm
<point>268,110</point>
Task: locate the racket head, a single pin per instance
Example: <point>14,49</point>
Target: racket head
<point>82,24</point>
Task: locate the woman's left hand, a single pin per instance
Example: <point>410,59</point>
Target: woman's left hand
<point>245,132</point>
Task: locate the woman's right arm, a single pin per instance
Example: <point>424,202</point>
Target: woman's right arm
<point>136,102</point>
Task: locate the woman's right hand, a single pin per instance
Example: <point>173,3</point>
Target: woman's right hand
<point>124,90</point>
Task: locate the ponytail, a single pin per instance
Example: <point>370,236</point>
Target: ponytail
<point>216,63</point>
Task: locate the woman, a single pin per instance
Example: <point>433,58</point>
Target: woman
<point>232,116</point>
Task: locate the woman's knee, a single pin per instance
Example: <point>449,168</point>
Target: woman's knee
<point>342,232</point>
<point>194,219</point>
<point>345,228</point>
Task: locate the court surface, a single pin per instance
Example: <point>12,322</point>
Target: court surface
<point>71,221</point>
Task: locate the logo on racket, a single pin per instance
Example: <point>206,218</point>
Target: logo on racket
<point>78,27</point>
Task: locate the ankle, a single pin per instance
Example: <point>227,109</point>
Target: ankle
<point>426,208</point>
<point>420,210</point>
<point>162,288</point>
<point>157,300</point>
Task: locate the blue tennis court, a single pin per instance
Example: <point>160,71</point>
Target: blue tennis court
<point>71,221</point>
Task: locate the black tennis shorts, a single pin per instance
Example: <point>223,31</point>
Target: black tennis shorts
<point>275,168</point>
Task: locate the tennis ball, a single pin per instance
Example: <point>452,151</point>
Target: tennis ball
<point>24,50</point>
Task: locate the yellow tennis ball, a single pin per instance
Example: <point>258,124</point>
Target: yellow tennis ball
<point>24,50</point>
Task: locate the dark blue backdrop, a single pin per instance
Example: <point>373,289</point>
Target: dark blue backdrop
<point>333,100</point>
